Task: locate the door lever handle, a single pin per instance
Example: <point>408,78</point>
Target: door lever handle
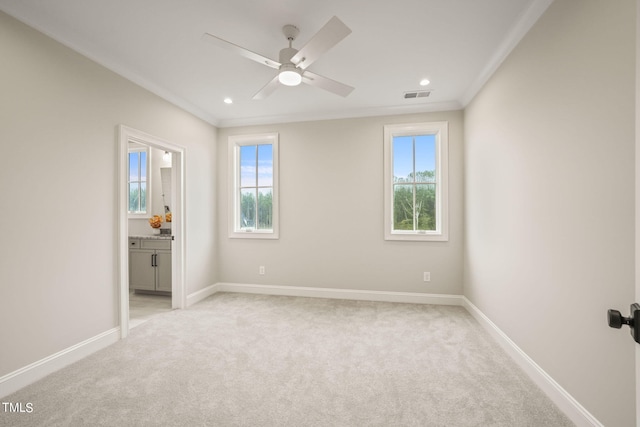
<point>616,320</point>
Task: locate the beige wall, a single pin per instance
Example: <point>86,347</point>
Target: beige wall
<point>58,192</point>
<point>331,213</point>
<point>549,156</point>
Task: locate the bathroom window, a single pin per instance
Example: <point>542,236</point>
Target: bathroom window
<point>253,186</point>
<point>139,182</point>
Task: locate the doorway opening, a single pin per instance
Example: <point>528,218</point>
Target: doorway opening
<point>173,203</point>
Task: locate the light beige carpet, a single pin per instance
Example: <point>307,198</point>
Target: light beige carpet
<point>252,360</point>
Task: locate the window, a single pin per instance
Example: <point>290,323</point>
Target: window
<point>415,169</point>
<point>254,186</point>
<point>139,182</point>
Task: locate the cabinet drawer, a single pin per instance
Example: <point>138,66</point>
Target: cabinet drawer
<point>155,244</point>
<point>134,243</point>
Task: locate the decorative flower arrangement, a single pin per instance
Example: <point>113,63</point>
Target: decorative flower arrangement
<point>168,217</point>
<point>155,221</point>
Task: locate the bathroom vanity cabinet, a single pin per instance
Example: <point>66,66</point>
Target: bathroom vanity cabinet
<point>150,264</point>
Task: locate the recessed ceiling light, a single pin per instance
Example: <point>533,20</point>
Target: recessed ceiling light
<point>424,82</point>
<point>228,101</point>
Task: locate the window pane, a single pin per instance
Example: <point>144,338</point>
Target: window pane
<point>426,207</point>
<point>265,209</point>
<point>137,177</point>
<point>403,207</point>
<point>143,197</point>
<point>402,158</point>
<point>425,150</point>
<point>133,166</point>
<point>248,208</point>
<point>248,166</point>
<point>265,165</point>
<point>143,166</point>
<point>134,197</point>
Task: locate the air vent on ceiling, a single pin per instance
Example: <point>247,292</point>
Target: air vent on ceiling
<point>417,94</point>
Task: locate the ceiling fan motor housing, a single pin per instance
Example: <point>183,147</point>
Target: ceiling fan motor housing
<point>286,54</point>
<point>289,74</point>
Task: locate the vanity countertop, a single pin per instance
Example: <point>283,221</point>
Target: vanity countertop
<point>153,237</point>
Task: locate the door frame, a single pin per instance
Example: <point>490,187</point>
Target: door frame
<point>178,277</point>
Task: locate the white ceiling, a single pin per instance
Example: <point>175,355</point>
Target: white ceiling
<point>456,44</point>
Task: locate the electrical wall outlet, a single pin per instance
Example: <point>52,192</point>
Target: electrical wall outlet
<point>261,270</point>
<point>426,276</point>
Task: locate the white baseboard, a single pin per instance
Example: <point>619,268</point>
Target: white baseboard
<point>202,294</point>
<point>333,293</point>
<point>570,406</point>
<point>29,374</point>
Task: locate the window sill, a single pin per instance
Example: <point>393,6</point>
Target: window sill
<point>253,235</point>
<point>139,216</point>
<point>417,237</point>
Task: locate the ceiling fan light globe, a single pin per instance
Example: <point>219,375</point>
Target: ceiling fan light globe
<point>290,77</point>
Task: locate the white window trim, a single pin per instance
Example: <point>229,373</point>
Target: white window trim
<point>440,130</point>
<point>141,148</point>
<point>236,141</point>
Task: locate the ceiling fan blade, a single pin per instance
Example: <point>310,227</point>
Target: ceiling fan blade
<point>268,89</point>
<point>328,36</point>
<point>332,86</point>
<point>240,50</point>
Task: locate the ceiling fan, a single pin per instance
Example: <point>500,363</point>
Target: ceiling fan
<point>293,63</point>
